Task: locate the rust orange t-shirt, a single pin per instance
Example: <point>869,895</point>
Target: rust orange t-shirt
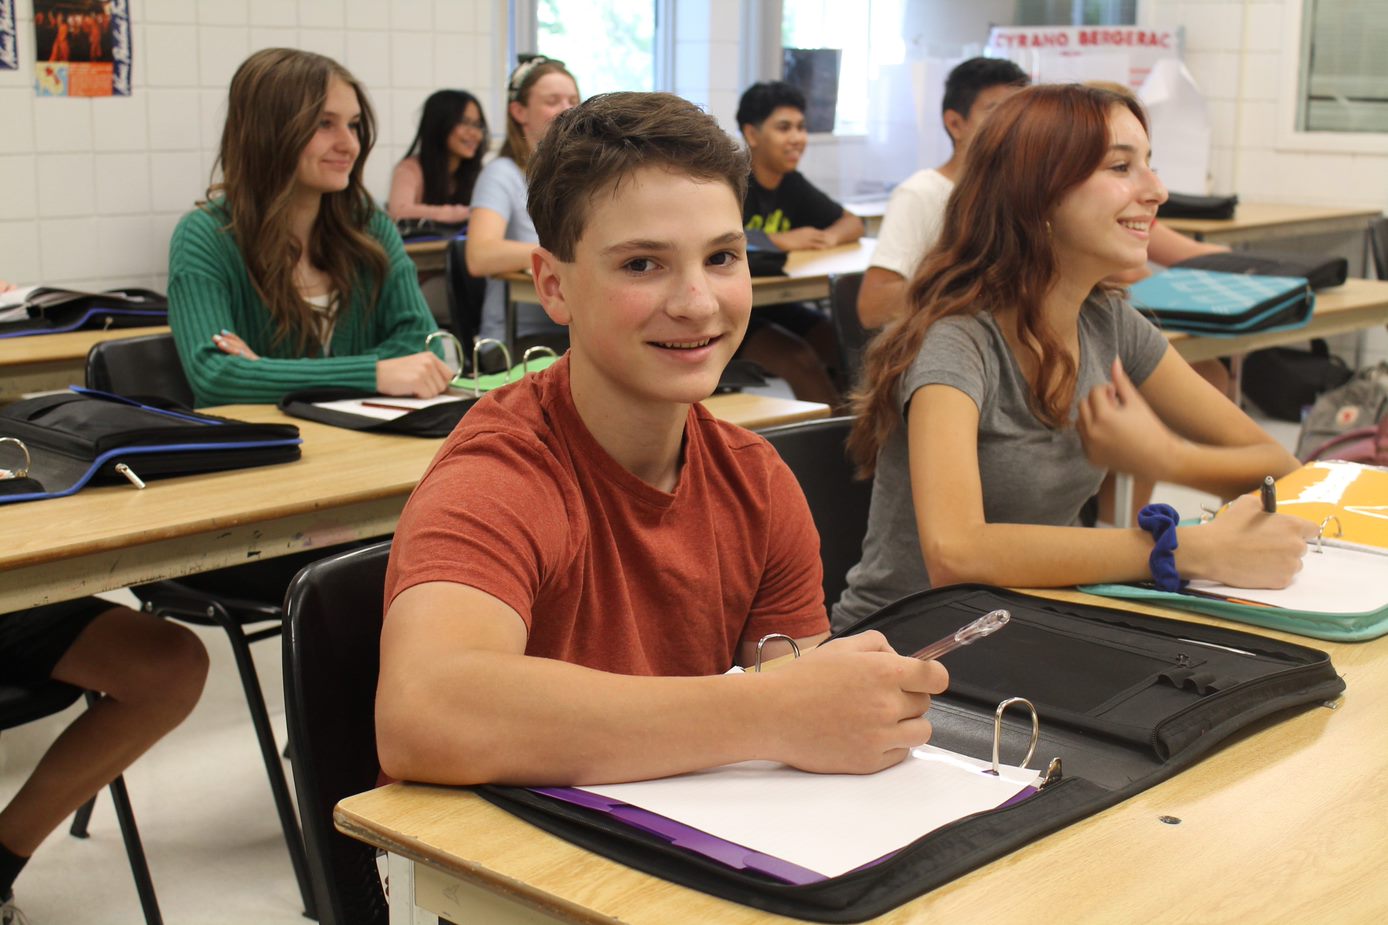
<point>608,572</point>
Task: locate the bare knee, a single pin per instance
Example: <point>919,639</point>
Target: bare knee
<point>177,669</point>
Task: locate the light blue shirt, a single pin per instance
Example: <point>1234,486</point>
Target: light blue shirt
<point>501,188</point>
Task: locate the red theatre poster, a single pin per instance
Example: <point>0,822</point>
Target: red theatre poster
<point>82,47</point>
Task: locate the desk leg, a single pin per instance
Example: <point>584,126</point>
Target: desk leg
<point>403,910</point>
<point>510,321</point>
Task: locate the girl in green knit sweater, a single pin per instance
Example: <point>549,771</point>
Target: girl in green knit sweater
<point>288,276</point>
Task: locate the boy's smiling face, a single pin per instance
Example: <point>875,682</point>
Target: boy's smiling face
<point>657,296</point>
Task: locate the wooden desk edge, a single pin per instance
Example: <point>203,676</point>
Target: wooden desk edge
<point>478,875</point>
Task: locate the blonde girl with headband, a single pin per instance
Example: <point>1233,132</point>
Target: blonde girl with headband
<point>288,276</point>
<point>500,232</point>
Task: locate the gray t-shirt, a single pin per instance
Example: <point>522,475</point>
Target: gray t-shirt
<point>501,188</point>
<point>1029,472</point>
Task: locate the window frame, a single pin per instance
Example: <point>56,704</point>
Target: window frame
<point>1296,42</point>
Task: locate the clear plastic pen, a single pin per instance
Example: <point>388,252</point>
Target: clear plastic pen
<point>985,625</point>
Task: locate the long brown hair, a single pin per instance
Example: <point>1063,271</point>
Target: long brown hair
<point>995,249</point>
<point>523,80</point>
<point>273,108</point>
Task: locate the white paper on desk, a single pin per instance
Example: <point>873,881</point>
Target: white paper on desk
<point>1338,580</point>
<point>12,307</point>
<point>356,406</point>
<point>828,823</point>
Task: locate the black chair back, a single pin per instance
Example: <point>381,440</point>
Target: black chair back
<point>466,293</point>
<point>1378,243</point>
<point>853,339</point>
<point>814,451</point>
<point>147,366</point>
<point>331,662</point>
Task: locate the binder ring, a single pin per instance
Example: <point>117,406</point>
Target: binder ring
<point>794,647</point>
<point>28,461</point>
<point>997,730</point>
<point>457,347</point>
<point>1320,533</point>
<point>477,362</point>
<point>539,349</point>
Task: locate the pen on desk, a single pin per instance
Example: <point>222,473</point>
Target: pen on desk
<point>1269,492</point>
<point>386,406</point>
<point>985,625</point>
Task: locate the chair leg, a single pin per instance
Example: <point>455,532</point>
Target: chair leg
<point>130,834</point>
<point>144,885</point>
<point>81,818</point>
<point>269,751</point>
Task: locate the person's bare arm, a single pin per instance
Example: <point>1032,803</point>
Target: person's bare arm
<point>489,252</point>
<point>459,703</point>
<point>1178,428</point>
<point>847,229</point>
<point>881,298</point>
<point>1242,546</point>
<point>1166,246</point>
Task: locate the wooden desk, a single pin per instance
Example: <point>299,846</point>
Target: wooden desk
<point>428,256</point>
<point>1285,823</point>
<point>52,361</point>
<point>1259,221</point>
<point>348,486</point>
<point>806,279</point>
<point>1358,304</point>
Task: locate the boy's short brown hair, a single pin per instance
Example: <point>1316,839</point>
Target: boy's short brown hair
<point>590,148</point>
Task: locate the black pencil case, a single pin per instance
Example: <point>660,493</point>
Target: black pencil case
<point>1124,700</point>
<point>56,311</point>
<point>72,439</point>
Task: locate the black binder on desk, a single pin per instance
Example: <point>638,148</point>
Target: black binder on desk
<point>1124,701</point>
<point>46,310</point>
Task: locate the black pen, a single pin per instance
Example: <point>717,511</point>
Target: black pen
<point>1269,496</point>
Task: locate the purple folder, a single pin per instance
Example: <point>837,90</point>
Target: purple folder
<point>700,842</point>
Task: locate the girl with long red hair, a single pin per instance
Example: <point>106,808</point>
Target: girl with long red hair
<point>992,409</point>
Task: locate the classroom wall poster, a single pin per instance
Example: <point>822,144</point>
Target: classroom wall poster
<point>1060,54</point>
<point>9,50</point>
<point>81,47</point>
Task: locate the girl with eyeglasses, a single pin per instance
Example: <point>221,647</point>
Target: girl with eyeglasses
<point>436,177</point>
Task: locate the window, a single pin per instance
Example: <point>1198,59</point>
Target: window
<point>1076,13</point>
<point>606,44</point>
<point>1344,73</point>
<point>835,57</point>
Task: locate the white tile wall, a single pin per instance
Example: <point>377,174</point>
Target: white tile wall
<point>1235,52</point>
<point>90,190</point>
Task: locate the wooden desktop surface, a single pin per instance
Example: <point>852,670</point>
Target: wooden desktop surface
<point>428,256</point>
<point>348,486</point>
<point>1255,221</point>
<point>806,278</point>
<point>53,361</point>
<point>1286,822</point>
<point>1358,304</point>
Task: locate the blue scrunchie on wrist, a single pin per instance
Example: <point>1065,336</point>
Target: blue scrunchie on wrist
<point>1160,520</point>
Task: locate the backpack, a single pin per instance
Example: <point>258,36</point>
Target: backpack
<point>1349,422</point>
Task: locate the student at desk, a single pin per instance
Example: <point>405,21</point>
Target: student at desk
<point>991,411</point>
<point>435,178</point>
<point>500,233</point>
<point>150,673</point>
<point>794,342</point>
<point>288,276</point>
<point>549,620</point>
<point>911,224</point>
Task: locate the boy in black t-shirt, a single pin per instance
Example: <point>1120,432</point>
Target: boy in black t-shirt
<point>794,342</point>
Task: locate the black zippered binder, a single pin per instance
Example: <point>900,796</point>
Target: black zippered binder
<point>1125,701</point>
<point>81,436</point>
